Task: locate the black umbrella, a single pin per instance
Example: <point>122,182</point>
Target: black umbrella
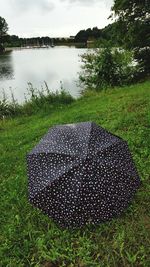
<point>81,173</point>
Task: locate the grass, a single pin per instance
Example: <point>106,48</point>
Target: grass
<point>35,101</point>
<point>29,238</point>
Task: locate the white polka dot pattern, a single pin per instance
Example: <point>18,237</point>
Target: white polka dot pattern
<point>80,173</point>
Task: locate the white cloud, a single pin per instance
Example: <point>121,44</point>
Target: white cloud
<point>89,2</point>
<point>81,2</point>
<point>22,6</point>
<point>54,18</point>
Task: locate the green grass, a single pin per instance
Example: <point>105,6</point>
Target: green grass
<point>29,238</point>
<point>35,100</point>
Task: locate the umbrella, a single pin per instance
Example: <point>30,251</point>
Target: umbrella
<point>80,173</point>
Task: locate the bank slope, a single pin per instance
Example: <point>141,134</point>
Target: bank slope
<point>28,237</point>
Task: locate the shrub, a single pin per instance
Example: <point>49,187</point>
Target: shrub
<point>142,55</point>
<point>107,68</point>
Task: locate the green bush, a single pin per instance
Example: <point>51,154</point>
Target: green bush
<point>107,68</point>
<point>142,56</point>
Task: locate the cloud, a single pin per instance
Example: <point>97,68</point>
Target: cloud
<point>54,17</point>
<point>21,6</point>
<point>107,3</point>
<point>81,2</point>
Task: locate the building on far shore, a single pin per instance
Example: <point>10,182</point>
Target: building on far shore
<point>91,42</point>
<point>72,37</point>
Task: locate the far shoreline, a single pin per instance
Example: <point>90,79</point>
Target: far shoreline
<point>78,45</point>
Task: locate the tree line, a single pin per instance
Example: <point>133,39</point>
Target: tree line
<point>107,34</point>
<point>15,41</point>
<point>99,36</point>
<point>7,40</point>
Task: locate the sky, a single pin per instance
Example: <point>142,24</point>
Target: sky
<point>54,18</point>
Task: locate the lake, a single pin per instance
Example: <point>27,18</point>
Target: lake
<point>53,65</point>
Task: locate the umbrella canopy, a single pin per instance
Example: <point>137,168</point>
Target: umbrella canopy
<point>81,173</point>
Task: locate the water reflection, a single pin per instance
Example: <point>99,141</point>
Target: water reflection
<point>51,65</point>
<point>6,66</point>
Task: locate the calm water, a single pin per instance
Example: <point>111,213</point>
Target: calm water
<point>52,65</point>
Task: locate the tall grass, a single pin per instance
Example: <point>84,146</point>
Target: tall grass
<point>35,99</point>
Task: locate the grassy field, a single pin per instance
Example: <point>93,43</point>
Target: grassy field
<point>29,238</point>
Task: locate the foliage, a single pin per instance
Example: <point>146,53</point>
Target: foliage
<point>34,101</point>
<point>1,48</point>
<point>3,27</point>
<point>3,31</point>
<point>101,36</point>
<point>8,108</point>
<point>29,238</point>
<point>133,20</point>
<point>106,68</point>
<point>142,56</point>
<point>110,36</point>
<point>85,35</point>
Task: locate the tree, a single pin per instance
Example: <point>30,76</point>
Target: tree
<point>3,32</point>
<point>84,35</point>
<point>3,27</point>
<point>133,17</point>
<point>109,35</point>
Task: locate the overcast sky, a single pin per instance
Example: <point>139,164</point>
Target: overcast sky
<point>54,18</point>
